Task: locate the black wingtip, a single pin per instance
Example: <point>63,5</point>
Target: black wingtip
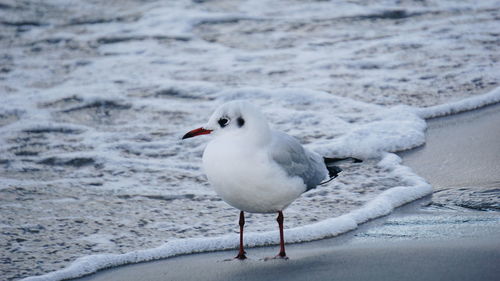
<point>330,161</point>
<point>333,171</point>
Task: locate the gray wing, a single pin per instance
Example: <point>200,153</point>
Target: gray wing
<point>289,154</point>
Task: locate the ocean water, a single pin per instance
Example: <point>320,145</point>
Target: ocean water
<point>95,96</point>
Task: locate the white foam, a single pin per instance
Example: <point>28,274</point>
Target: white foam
<point>462,105</point>
<point>382,205</point>
<point>385,129</point>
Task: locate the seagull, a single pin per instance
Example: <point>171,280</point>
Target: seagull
<point>256,169</point>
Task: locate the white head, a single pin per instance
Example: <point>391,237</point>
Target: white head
<point>236,118</point>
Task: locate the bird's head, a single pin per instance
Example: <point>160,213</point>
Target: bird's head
<point>238,118</point>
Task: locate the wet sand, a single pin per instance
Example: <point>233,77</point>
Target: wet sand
<point>461,150</point>
<point>461,159</point>
<point>415,260</point>
<point>430,239</point>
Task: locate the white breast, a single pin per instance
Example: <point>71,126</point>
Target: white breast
<point>247,178</point>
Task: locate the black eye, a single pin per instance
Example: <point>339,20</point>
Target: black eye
<point>240,121</point>
<point>223,122</point>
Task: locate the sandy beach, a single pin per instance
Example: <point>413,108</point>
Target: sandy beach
<point>423,240</point>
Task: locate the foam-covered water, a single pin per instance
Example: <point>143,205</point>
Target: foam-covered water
<point>95,98</point>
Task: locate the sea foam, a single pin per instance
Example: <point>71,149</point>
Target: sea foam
<point>383,204</point>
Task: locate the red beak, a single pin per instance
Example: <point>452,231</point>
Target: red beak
<point>196,132</point>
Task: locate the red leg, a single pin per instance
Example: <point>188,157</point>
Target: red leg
<point>280,220</point>
<point>241,253</point>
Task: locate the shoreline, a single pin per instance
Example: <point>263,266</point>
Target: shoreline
<point>409,228</point>
<point>434,242</point>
